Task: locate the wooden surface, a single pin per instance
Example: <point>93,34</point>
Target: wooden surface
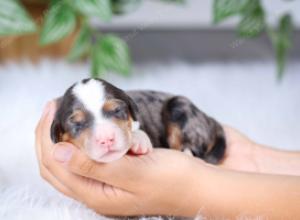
<point>27,46</point>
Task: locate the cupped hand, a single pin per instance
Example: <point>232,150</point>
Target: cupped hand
<point>162,182</point>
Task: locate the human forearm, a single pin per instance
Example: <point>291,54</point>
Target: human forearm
<point>245,155</point>
<point>270,160</point>
<point>231,194</point>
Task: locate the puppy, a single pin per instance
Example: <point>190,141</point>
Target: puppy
<point>106,122</point>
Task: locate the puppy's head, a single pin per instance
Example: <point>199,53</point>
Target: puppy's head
<point>97,117</point>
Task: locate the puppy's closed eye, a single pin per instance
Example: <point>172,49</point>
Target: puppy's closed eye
<point>116,108</point>
<point>76,122</point>
<point>121,112</point>
<point>77,116</point>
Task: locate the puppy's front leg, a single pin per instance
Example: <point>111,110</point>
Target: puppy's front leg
<point>140,143</point>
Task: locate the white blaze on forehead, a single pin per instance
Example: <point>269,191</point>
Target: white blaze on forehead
<point>92,95</point>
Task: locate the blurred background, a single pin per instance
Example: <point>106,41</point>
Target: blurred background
<point>238,61</point>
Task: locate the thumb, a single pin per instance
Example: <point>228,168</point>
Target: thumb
<point>120,173</point>
<point>63,152</point>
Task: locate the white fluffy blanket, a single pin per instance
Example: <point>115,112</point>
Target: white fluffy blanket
<point>244,95</point>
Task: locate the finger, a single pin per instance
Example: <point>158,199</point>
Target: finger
<point>45,149</point>
<point>44,141</point>
<point>45,112</point>
<point>103,198</point>
<point>38,134</point>
<point>46,125</point>
<point>123,173</point>
<point>87,190</point>
<point>39,128</point>
<point>43,171</point>
<point>45,174</point>
<point>40,143</point>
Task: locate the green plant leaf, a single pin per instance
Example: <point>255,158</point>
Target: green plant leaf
<point>99,8</point>
<point>281,40</point>
<point>124,6</point>
<point>60,21</point>
<point>81,45</point>
<point>14,19</point>
<point>253,21</point>
<point>223,9</point>
<point>174,1</point>
<point>110,53</point>
<point>97,67</point>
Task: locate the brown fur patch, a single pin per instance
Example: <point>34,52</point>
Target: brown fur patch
<point>124,125</point>
<point>78,116</point>
<point>210,147</point>
<point>110,105</point>
<point>174,137</point>
<point>80,140</point>
<point>65,137</point>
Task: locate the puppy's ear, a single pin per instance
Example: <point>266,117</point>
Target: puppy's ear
<point>56,131</point>
<point>133,108</point>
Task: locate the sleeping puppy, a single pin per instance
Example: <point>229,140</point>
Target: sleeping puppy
<point>106,123</point>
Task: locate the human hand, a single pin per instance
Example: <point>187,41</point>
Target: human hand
<point>162,182</point>
<point>241,152</point>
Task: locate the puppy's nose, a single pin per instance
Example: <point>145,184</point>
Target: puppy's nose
<point>106,142</point>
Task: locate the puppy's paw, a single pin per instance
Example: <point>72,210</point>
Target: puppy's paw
<point>141,143</point>
<point>188,151</point>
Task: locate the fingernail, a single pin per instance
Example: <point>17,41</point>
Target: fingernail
<point>63,153</point>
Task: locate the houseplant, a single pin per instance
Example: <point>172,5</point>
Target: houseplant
<point>253,23</point>
<point>62,20</point>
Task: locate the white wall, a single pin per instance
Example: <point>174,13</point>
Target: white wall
<point>194,14</point>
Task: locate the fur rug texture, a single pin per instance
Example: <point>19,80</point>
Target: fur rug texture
<point>246,96</point>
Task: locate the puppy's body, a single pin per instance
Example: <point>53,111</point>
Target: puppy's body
<point>175,122</point>
<point>150,105</point>
<point>106,122</point>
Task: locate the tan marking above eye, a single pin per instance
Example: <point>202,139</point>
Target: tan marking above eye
<point>111,105</point>
<point>78,116</point>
